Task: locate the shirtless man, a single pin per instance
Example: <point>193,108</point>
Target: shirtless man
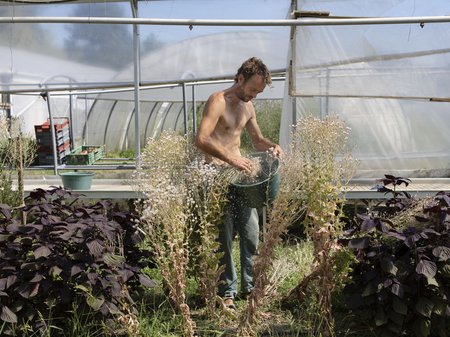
<point>225,116</point>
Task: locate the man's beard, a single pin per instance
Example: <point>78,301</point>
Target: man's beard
<point>242,97</point>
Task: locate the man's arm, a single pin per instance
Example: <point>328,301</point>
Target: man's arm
<point>259,141</point>
<point>209,144</point>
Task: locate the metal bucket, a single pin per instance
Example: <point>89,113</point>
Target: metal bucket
<point>264,191</point>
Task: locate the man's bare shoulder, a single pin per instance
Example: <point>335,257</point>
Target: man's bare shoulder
<point>215,104</point>
<point>217,97</point>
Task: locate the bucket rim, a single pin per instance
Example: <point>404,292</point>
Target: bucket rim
<point>271,175</point>
<point>77,174</point>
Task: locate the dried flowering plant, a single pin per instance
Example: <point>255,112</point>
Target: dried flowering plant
<point>207,196</point>
<point>16,150</point>
<point>184,200</point>
<point>313,172</point>
<point>7,194</point>
<point>163,217</point>
<point>328,167</point>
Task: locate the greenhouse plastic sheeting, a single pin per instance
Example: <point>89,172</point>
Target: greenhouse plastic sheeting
<point>382,80</point>
<point>49,56</point>
<point>388,60</point>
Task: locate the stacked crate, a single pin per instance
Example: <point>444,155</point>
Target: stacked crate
<point>44,140</point>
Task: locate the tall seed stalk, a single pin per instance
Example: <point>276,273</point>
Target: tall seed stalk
<point>311,180</point>
<point>17,151</point>
<point>207,191</point>
<point>184,203</point>
<point>163,215</point>
<point>327,169</point>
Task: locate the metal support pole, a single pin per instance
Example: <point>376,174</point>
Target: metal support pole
<point>137,81</point>
<point>194,110</point>
<point>46,96</point>
<point>294,110</point>
<point>327,21</point>
<point>185,112</point>
<point>72,145</point>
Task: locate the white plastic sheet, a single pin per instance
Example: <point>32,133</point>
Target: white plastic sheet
<point>382,80</point>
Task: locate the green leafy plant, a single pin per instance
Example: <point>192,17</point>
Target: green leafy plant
<point>66,255</point>
<point>401,284</point>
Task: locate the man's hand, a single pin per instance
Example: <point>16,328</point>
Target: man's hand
<point>277,151</point>
<point>242,163</point>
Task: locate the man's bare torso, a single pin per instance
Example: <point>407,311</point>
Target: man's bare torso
<point>229,127</point>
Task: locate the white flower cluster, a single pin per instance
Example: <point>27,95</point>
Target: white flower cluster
<point>4,134</point>
<point>173,179</point>
<point>200,173</point>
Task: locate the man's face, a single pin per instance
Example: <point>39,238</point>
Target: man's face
<point>249,89</point>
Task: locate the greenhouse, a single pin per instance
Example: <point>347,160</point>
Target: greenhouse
<point>105,90</point>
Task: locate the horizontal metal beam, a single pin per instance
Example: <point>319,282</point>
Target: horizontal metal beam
<point>82,89</point>
<point>356,189</point>
<point>322,21</point>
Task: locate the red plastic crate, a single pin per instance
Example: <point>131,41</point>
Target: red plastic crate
<point>63,123</point>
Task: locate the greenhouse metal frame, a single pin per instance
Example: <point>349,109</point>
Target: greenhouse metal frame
<point>303,17</point>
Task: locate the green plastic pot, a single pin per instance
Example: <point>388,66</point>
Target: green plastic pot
<point>77,180</point>
<point>263,192</point>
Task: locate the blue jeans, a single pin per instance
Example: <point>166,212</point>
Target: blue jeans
<point>244,221</point>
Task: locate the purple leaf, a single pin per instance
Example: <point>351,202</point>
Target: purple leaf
<point>38,194</point>
<point>146,281</point>
<point>396,235</point>
<point>431,231</point>
<point>388,266</point>
<point>426,268</point>
<point>35,289</point>
<point>66,236</point>
<point>11,280</point>
<point>76,269</point>
<point>47,208</point>
<point>112,308</point>
<point>406,194</point>
<point>42,251</point>
<point>125,275</point>
<point>54,271</point>
<point>358,243</point>
<point>6,211</point>
<point>398,289</point>
<point>37,278</point>
<point>368,224</point>
<point>95,247</point>
<point>400,181</point>
<point>92,277</point>
<point>442,253</point>
<point>12,228</point>
<point>7,315</point>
